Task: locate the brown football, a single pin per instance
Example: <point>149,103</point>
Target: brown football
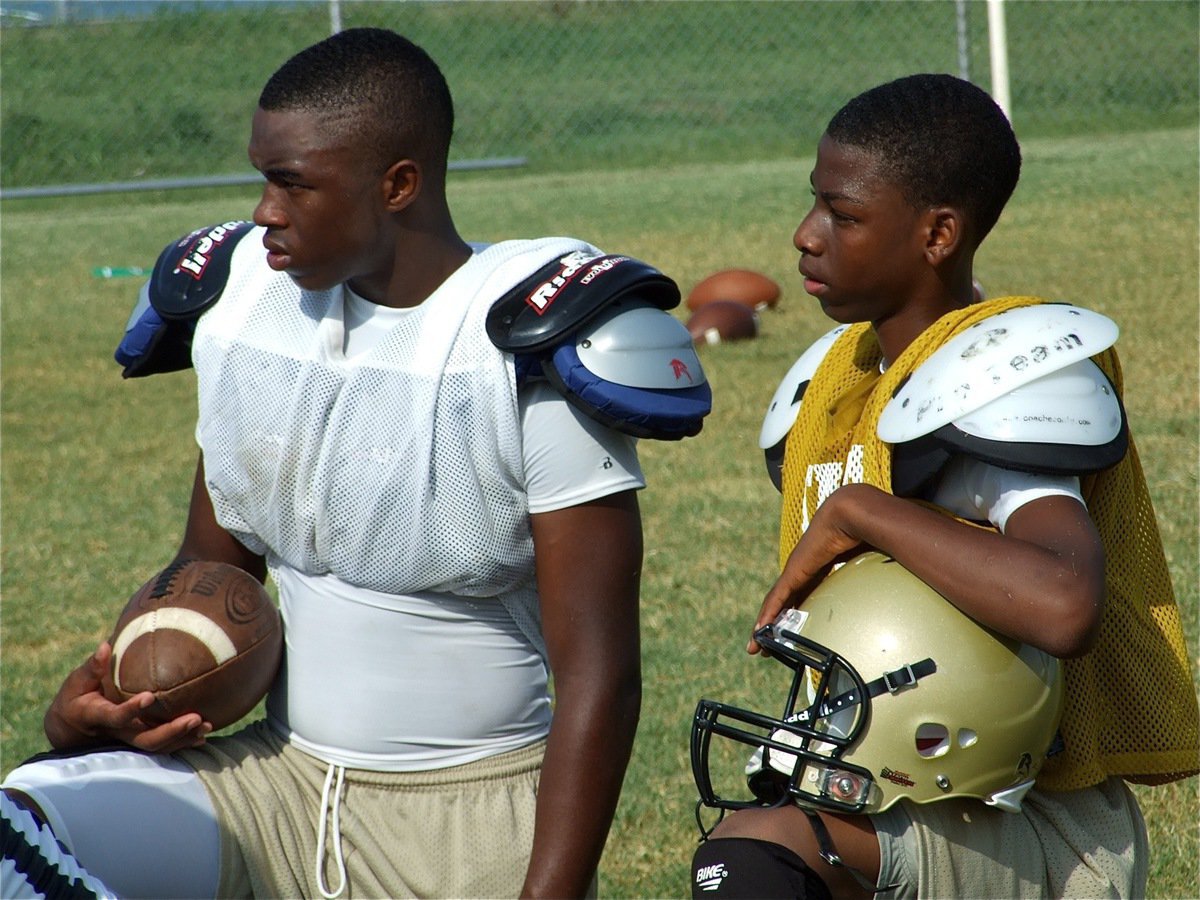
<point>204,636</point>
<point>753,289</point>
<point>722,321</point>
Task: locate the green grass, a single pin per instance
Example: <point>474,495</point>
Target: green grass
<point>95,471</point>
<point>578,85</point>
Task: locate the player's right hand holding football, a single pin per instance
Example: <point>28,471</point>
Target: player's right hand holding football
<point>80,715</point>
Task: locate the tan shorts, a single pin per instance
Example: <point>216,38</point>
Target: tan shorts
<point>1090,843</point>
<point>464,832</point>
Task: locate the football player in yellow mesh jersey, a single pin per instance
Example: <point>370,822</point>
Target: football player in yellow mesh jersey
<point>909,178</point>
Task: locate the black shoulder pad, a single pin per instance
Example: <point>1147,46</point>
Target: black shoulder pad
<point>917,463</point>
<point>567,293</point>
<point>1039,458</point>
<point>190,274</point>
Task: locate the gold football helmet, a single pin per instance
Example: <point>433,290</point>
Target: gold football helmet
<point>896,694</point>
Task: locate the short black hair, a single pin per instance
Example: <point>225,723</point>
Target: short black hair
<point>378,83</point>
<point>940,139</point>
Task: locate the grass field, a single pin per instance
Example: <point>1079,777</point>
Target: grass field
<point>577,85</point>
<point>95,471</point>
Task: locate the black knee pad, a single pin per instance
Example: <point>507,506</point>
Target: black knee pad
<point>746,868</point>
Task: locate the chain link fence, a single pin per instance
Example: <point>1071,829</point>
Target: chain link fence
<point>101,92</point>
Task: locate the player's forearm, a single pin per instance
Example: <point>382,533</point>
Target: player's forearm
<point>1046,594</point>
<point>588,750</point>
<point>590,622</point>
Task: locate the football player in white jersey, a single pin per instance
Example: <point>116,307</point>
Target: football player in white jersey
<point>445,529</point>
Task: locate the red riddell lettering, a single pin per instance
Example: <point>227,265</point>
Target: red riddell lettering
<point>547,292</point>
<point>198,254</point>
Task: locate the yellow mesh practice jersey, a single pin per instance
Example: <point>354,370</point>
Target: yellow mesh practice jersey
<point>1130,705</point>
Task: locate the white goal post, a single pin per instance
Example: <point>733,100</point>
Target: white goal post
<point>998,51</point>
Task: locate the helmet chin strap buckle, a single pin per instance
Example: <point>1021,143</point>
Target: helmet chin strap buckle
<point>904,677</point>
<point>889,682</point>
<point>901,678</point>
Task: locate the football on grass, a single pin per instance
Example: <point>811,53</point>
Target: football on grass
<point>722,321</point>
<point>745,286</point>
<point>204,636</point>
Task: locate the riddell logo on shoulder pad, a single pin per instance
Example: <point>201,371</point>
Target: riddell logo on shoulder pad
<point>679,367</point>
<point>572,264</point>
<point>199,249</point>
<point>709,878</point>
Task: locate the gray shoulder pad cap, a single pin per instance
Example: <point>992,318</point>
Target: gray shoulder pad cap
<point>190,273</point>
<point>633,368</point>
<point>1067,422</point>
<point>567,293</point>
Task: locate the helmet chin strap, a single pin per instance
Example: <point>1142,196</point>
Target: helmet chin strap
<point>705,831</point>
<point>830,855</point>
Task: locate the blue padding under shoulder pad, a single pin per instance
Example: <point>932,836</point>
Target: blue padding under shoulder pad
<point>641,412</point>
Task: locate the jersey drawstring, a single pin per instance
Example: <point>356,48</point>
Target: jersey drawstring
<point>337,833</point>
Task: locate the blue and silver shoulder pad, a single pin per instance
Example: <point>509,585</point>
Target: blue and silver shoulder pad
<point>597,329</point>
<point>188,279</point>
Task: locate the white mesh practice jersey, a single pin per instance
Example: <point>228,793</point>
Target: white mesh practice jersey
<point>378,470</point>
<point>394,661</point>
<point>401,682</point>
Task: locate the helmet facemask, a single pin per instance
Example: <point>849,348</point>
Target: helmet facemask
<point>796,755</point>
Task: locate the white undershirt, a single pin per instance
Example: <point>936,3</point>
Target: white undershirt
<point>366,323</point>
<point>985,493</point>
<point>403,682</point>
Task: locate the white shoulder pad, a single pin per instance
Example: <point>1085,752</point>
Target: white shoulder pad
<point>989,360</point>
<point>1067,422</point>
<point>1075,405</point>
<point>785,404</point>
